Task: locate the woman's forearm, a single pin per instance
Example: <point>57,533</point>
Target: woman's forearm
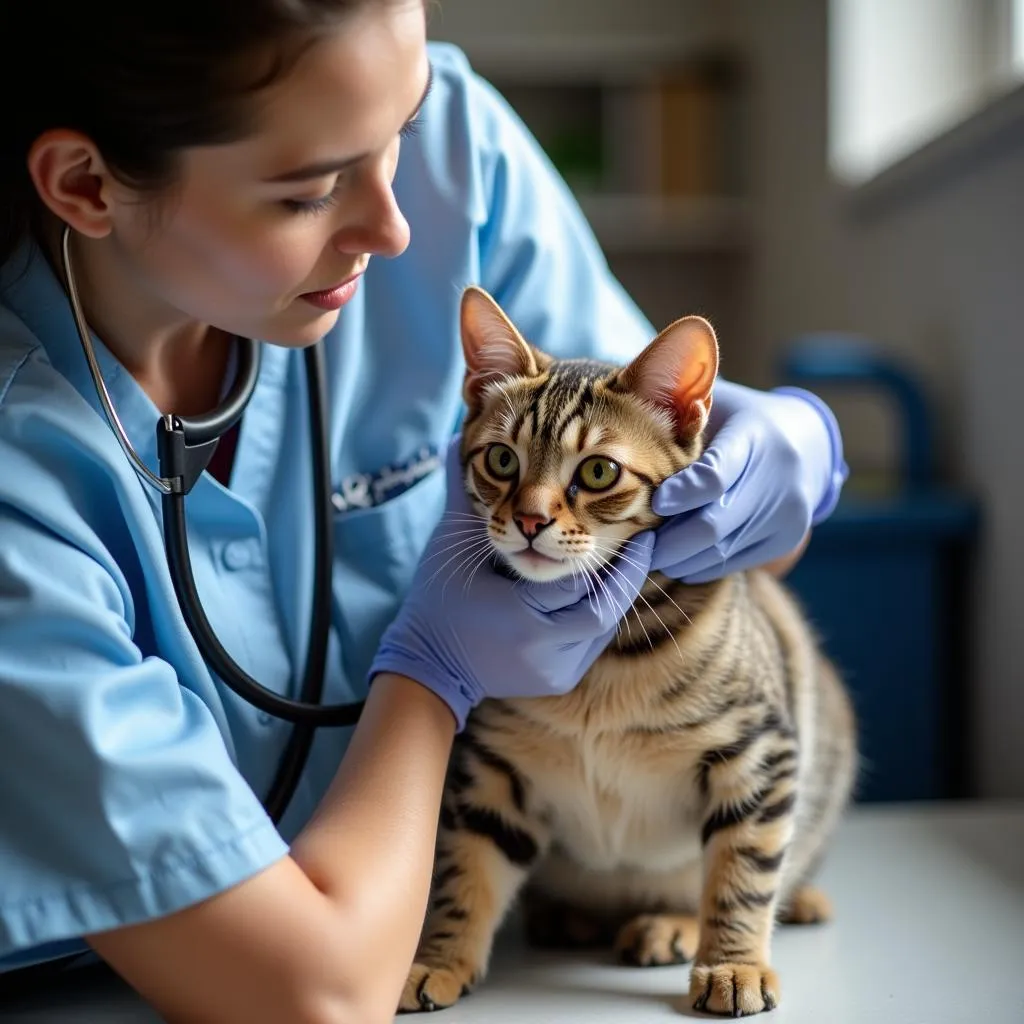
<point>370,846</point>
<point>326,935</point>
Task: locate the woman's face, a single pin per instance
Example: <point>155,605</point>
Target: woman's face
<point>260,233</point>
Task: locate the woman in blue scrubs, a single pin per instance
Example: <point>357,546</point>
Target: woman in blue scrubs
<point>284,171</point>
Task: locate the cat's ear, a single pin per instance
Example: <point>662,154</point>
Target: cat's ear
<point>493,348</point>
<point>677,373</point>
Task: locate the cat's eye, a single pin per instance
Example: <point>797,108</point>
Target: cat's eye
<point>502,462</point>
<point>598,473</point>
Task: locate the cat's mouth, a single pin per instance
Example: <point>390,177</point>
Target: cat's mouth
<point>535,566</point>
<point>533,557</point>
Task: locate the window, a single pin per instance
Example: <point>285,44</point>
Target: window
<point>1017,35</point>
<point>904,72</point>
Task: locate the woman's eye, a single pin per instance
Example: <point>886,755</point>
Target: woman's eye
<point>411,128</point>
<point>598,473</point>
<point>318,205</point>
<point>502,462</point>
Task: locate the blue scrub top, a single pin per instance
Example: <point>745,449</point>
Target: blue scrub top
<point>129,775</point>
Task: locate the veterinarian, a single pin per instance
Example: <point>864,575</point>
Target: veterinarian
<point>233,239</point>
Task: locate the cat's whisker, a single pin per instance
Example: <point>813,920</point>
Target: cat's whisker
<point>640,622</point>
<point>623,617</point>
<point>580,571</point>
<point>576,573</point>
<point>614,569</point>
<point>612,603</point>
<point>461,553</point>
<point>456,544</point>
<point>463,545</point>
<point>470,558</point>
<point>653,582</point>
<point>593,599</point>
<point>628,542</point>
<point>481,561</point>
<point>458,514</point>
<point>468,567</point>
<point>460,529</point>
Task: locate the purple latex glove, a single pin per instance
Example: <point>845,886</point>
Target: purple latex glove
<point>468,635</point>
<point>772,469</point>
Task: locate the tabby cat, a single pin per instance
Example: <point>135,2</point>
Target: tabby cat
<point>676,803</point>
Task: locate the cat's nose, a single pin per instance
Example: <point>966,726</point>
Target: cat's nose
<point>531,525</point>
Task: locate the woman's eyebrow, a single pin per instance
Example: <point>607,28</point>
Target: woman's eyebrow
<point>325,167</point>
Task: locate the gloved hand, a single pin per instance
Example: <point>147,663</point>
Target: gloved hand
<point>773,469</point>
<point>467,634</point>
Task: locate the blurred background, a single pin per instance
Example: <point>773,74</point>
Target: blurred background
<point>839,187</point>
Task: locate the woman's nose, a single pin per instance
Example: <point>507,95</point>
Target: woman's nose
<point>380,229</point>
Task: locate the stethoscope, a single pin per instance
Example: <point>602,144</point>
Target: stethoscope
<point>184,449</point>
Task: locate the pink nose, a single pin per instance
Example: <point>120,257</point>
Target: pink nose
<point>531,525</point>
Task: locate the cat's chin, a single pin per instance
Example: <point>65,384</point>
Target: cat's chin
<point>535,567</point>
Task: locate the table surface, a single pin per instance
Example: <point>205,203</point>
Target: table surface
<point>929,929</point>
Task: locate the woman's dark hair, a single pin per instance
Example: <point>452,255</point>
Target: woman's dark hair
<point>142,79</point>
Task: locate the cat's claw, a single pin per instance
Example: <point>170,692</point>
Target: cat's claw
<point>432,988</point>
<point>733,990</point>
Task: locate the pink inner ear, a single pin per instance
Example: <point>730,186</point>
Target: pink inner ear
<point>492,347</point>
<point>677,372</point>
<point>494,360</point>
<point>693,387</point>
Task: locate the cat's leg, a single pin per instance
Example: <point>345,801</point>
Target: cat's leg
<point>751,797</point>
<point>476,884</point>
<point>487,844</point>
<point>826,790</point>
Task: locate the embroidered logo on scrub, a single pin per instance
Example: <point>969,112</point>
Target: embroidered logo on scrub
<point>364,490</point>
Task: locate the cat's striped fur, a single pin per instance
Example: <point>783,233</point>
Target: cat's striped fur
<point>677,801</point>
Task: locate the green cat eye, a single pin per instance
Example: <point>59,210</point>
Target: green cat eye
<point>598,473</point>
<point>502,462</point>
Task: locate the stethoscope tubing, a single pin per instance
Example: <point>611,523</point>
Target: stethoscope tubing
<point>185,447</point>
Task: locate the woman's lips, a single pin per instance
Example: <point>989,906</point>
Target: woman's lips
<point>336,297</point>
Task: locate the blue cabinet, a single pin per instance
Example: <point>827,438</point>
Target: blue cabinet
<point>885,581</point>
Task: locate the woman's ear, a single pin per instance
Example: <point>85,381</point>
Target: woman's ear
<point>493,348</point>
<point>72,180</point>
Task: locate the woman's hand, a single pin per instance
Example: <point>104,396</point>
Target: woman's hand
<point>467,633</point>
<point>773,468</point>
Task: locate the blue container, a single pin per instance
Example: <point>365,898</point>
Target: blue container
<point>884,580</point>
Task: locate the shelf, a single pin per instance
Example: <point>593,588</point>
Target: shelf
<point>655,224</point>
<point>548,59</point>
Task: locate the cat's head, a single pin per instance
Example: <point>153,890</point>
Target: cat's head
<point>562,456</point>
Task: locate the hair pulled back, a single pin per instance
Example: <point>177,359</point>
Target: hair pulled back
<point>142,80</point>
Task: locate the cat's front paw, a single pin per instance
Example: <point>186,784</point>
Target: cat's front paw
<point>733,990</point>
<point>433,988</point>
<point>807,905</point>
<point>655,940</point>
